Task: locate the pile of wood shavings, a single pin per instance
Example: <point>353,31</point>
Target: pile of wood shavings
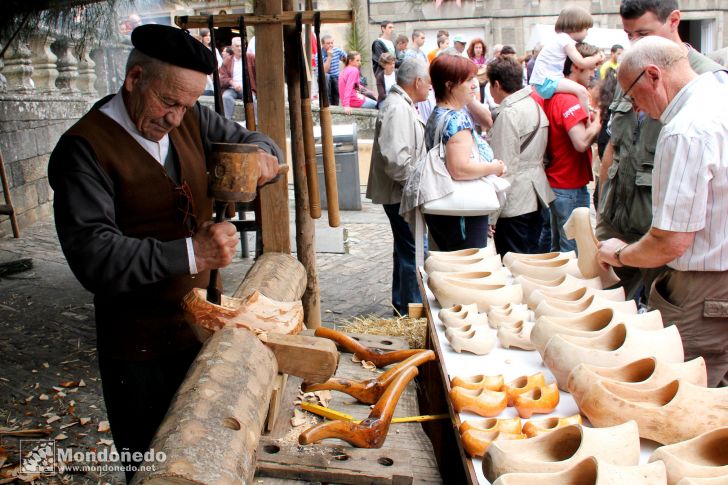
<point>302,420</point>
<point>411,329</point>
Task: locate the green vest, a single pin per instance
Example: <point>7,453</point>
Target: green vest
<point>625,203</point>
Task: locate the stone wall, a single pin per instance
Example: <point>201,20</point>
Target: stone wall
<point>30,126</point>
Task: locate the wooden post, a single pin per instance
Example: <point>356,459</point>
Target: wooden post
<point>210,433</point>
<point>305,228</point>
<point>274,218</point>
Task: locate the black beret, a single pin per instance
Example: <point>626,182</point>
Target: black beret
<point>173,46</point>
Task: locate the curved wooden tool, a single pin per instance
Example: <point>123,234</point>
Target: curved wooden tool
<point>371,432</point>
<point>369,391</point>
<point>377,357</point>
<point>327,138</point>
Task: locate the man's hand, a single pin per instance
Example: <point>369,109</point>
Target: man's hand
<point>215,245</point>
<point>268,167</point>
<point>238,87</point>
<point>606,252</point>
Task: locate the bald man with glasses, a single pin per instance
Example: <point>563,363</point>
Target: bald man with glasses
<point>625,192</point>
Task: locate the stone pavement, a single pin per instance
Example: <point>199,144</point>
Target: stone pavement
<point>47,336</point>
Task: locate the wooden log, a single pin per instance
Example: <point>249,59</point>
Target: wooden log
<point>276,275</point>
<point>210,433</point>
<point>288,18</point>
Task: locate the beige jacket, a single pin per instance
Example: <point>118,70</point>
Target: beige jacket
<point>399,141</point>
<point>517,118</point>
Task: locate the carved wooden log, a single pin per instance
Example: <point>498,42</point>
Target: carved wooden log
<point>211,431</point>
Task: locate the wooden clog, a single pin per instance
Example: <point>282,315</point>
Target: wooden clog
<point>675,412</point>
<point>476,442</point>
<point>704,456</point>
<point>494,383</point>
<point>554,308</point>
<point>546,269</point>
<point>507,425</point>
<point>510,257</point>
<point>256,312</point>
<point>478,340</point>
<point>370,433</point>
<point>498,277</point>
<point>482,402</point>
<point>462,315</point>
<point>590,325</point>
<point>702,481</point>
<point>464,264</point>
<point>454,292</point>
<point>517,335</point>
<point>618,346</point>
<point>464,253</point>
<point>548,294</point>
<point>523,384</point>
<point>514,313</point>
<point>539,400</point>
<point>536,427</point>
<point>646,373</point>
<point>557,283</point>
<point>579,227</point>
<point>562,449</point>
<point>591,471</point>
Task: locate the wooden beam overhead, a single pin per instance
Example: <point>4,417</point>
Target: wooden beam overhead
<point>286,18</point>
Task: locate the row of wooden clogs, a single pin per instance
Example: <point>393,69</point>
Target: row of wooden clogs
<point>488,395</point>
<point>576,454</point>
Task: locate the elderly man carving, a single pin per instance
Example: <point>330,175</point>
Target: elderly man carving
<point>399,141</point>
<point>133,214</point>
<point>689,205</point>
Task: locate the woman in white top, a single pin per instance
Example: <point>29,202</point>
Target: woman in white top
<point>386,77</point>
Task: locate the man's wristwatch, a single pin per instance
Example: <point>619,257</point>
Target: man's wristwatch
<point>618,252</point>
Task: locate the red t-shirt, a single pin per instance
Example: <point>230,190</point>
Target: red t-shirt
<point>569,169</point>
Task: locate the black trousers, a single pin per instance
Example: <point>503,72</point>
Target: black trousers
<point>519,234</point>
<point>333,85</point>
<point>137,396</point>
<point>452,233</point>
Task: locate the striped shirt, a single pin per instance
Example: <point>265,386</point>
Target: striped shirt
<point>690,179</point>
<point>335,60</point>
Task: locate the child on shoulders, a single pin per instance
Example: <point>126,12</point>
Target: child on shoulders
<point>548,72</point>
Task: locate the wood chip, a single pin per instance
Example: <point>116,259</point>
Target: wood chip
<point>368,365</point>
<point>105,442</point>
<point>354,358</point>
<point>68,425</point>
<point>53,419</point>
<point>29,398</point>
<point>104,427</point>
<point>81,383</point>
<point>298,419</point>
<point>69,384</point>
<point>43,397</point>
<point>84,421</point>
<point>60,437</point>
<point>57,388</point>
<point>323,397</point>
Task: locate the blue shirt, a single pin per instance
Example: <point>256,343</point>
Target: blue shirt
<point>335,60</point>
<point>459,121</point>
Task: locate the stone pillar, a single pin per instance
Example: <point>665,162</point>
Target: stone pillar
<point>67,67</point>
<point>44,63</point>
<point>18,69</point>
<point>87,70</point>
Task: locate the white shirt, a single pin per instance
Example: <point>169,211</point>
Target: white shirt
<point>389,81</point>
<point>238,70</point>
<point>690,178</point>
<point>550,61</point>
<point>116,110</point>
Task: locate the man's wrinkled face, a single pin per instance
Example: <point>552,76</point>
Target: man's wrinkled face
<point>237,48</point>
<point>156,106</point>
<point>650,24</point>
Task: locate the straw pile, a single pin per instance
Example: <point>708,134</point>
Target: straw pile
<point>411,329</point>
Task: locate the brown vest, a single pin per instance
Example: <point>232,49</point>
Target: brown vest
<point>148,323</point>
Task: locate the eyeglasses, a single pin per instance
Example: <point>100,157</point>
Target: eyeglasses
<point>625,95</point>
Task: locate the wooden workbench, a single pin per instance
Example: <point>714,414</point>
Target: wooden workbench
<point>406,457</point>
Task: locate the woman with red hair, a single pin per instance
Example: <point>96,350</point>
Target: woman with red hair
<point>476,52</point>
<point>467,155</point>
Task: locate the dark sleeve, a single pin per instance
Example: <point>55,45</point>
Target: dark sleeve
<point>378,48</point>
<point>103,259</point>
<point>380,87</point>
<point>216,129</point>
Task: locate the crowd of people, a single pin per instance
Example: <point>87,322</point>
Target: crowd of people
<point>656,116</point>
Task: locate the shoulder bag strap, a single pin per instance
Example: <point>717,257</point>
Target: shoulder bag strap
<point>528,140</point>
